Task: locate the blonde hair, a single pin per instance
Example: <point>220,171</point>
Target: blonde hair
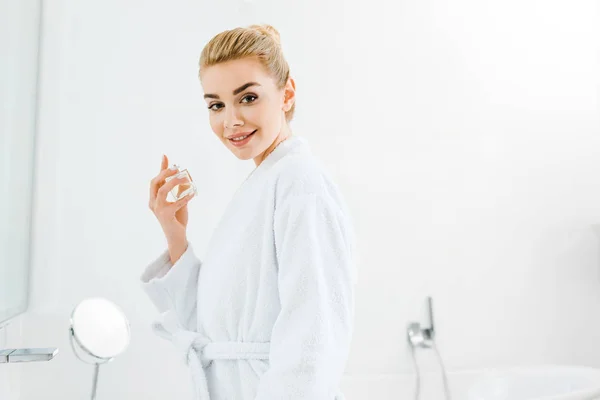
<point>261,41</point>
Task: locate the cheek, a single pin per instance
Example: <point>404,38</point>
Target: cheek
<point>264,114</point>
<point>215,124</point>
<point>254,114</point>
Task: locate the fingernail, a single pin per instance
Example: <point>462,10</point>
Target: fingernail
<point>173,167</point>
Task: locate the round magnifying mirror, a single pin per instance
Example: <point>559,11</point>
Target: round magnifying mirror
<point>99,332</point>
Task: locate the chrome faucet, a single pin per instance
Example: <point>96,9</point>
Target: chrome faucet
<point>27,355</point>
<point>422,337</point>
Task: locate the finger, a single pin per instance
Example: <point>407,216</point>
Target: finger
<point>187,185</point>
<point>155,183</point>
<point>183,201</point>
<point>158,181</point>
<point>163,191</point>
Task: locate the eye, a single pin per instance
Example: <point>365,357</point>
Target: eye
<point>250,96</point>
<point>212,105</point>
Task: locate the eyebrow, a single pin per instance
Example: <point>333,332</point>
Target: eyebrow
<point>236,91</point>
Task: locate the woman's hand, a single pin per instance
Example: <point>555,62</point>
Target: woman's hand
<point>172,216</point>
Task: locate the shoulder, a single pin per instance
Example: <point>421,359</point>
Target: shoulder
<point>305,186</point>
<point>301,174</point>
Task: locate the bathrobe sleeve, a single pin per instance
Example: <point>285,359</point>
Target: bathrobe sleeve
<point>174,287</point>
<point>311,337</point>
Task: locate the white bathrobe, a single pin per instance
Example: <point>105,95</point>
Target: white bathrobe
<point>268,313</point>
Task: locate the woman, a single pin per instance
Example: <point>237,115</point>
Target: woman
<point>268,313</point>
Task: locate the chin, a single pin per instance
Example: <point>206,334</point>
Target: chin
<point>244,154</point>
<point>244,157</point>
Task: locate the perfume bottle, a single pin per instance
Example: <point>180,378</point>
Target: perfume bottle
<point>183,189</point>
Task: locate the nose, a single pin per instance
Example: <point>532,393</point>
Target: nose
<point>232,119</point>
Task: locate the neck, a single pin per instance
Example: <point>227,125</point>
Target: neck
<point>285,133</point>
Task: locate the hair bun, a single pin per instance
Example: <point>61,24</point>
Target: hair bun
<point>268,30</point>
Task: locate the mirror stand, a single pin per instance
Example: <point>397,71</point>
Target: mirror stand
<point>98,332</point>
<point>89,358</point>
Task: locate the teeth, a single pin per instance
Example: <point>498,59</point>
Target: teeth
<point>241,138</point>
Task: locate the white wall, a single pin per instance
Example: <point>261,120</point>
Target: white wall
<point>19,37</point>
<point>10,374</point>
<point>464,136</point>
<point>19,33</point>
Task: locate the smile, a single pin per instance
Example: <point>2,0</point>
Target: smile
<point>238,142</point>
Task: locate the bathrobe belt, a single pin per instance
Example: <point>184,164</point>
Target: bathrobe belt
<point>198,351</point>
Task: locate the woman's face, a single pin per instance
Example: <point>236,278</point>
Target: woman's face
<point>242,98</point>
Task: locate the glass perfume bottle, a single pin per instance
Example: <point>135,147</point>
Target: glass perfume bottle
<point>183,189</point>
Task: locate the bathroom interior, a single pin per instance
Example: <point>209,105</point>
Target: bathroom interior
<point>463,134</point>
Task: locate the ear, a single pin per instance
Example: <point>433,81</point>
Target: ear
<point>289,94</point>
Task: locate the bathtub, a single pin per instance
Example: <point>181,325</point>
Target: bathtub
<point>548,382</point>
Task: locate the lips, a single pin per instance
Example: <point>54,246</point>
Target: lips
<point>241,134</point>
<point>242,142</point>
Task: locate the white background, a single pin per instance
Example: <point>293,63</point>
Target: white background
<point>465,136</point>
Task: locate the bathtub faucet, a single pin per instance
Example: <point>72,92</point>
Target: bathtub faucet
<point>419,336</point>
